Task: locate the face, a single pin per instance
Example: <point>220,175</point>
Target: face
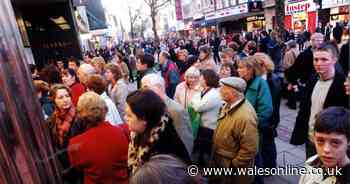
<point>162,59</point>
<point>192,80</point>
<point>82,76</point>
<point>324,63</point>
<point>245,72</point>
<point>135,124</point>
<point>225,58</point>
<point>140,66</point>
<point>63,100</point>
<point>202,82</point>
<point>316,41</point>
<point>68,80</point>
<point>225,72</point>
<point>226,92</point>
<point>202,56</point>
<point>181,57</point>
<point>332,149</point>
<point>109,75</point>
<point>73,66</point>
<point>60,64</point>
<point>87,59</point>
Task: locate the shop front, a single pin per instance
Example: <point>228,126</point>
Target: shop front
<point>255,23</point>
<point>339,14</point>
<point>300,15</point>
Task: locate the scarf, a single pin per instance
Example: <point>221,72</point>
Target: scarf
<point>139,153</point>
<point>62,124</point>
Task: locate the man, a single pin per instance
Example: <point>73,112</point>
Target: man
<point>302,69</point>
<point>84,71</point>
<point>227,56</point>
<point>332,139</point>
<point>323,90</point>
<point>73,64</point>
<point>180,116</point>
<point>235,139</point>
<point>144,66</point>
<point>338,32</point>
<point>170,73</point>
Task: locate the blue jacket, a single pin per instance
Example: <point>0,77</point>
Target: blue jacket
<point>258,94</point>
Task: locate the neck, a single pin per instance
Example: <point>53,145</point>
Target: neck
<point>233,100</point>
<point>327,76</point>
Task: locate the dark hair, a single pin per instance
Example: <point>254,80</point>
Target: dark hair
<point>70,72</point>
<point>329,47</point>
<point>205,49</point>
<point>211,78</point>
<point>333,120</point>
<point>234,72</point>
<point>116,71</point>
<point>51,74</point>
<point>54,89</point>
<point>264,33</point>
<point>96,84</point>
<point>146,59</point>
<point>32,68</point>
<point>73,60</point>
<point>147,106</point>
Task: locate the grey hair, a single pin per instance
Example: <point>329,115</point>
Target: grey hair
<point>87,69</point>
<point>192,71</point>
<point>154,79</point>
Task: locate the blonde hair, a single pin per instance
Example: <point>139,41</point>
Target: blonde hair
<point>251,63</point>
<point>265,61</point>
<point>98,62</point>
<point>91,109</point>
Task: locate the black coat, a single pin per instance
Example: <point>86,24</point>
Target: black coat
<point>275,85</point>
<point>344,57</point>
<point>302,69</point>
<point>335,97</point>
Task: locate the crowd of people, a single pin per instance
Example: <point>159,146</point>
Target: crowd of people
<point>209,102</point>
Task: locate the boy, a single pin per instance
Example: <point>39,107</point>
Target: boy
<point>332,141</point>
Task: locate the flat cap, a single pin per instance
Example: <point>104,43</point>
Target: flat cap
<point>235,82</point>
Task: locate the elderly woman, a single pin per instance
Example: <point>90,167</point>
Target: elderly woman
<point>60,126</point>
<point>208,104</point>
<point>156,152</point>
<point>275,86</point>
<point>100,152</point>
<point>117,88</point>
<point>70,79</point>
<point>258,94</point>
<point>185,90</point>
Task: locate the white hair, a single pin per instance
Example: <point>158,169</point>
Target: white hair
<point>192,71</point>
<point>87,69</point>
<point>153,80</point>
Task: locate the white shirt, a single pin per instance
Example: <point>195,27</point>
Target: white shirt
<point>112,115</point>
<point>318,98</point>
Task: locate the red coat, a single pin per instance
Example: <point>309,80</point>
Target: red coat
<point>101,153</point>
<point>77,90</point>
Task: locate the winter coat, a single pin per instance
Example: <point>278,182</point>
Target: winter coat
<point>290,57</point>
<point>258,94</point>
<point>335,97</point>
<point>275,85</point>
<point>118,95</point>
<point>183,95</point>
<point>303,67</point>
<point>208,106</point>
<point>344,57</point>
<point>171,75</point>
<point>235,141</point>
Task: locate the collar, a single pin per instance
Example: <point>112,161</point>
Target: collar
<point>235,104</point>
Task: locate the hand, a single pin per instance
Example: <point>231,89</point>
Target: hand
<point>347,87</point>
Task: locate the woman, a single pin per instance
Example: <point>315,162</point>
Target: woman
<point>123,66</point>
<point>98,63</point>
<point>185,90</point>
<point>205,59</point>
<point>275,85</point>
<point>60,126</point>
<point>117,88</point>
<point>181,62</point>
<point>208,104</point>
<point>156,153</point>
<point>101,151</point>
<point>258,94</point>
<point>70,79</point>
<point>227,70</point>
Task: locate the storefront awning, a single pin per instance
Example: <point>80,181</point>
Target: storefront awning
<point>203,23</point>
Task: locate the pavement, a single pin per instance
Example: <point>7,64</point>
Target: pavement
<point>287,154</point>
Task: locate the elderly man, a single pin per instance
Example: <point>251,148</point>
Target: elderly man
<point>180,116</point>
<point>235,139</point>
<point>84,71</point>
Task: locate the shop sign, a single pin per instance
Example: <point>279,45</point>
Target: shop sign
<point>334,3</point>
<point>255,6</point>
<point>236,10</point>
<point>302,6</point>
<point>255,18</point>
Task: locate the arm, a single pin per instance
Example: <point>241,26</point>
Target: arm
<point>209,101</point>
<point>248,137</point>
<point>264,106</point>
